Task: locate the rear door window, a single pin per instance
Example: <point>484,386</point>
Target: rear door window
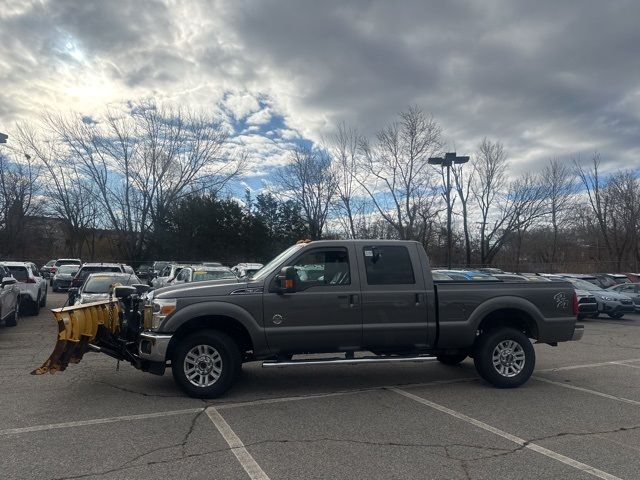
<point>388,265</point>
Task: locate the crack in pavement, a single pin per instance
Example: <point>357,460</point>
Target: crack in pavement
<point>144,394</point>
<point>439,449</point>
<point>436,446</point>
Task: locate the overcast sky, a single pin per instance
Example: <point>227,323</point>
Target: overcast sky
<point>546,78</point>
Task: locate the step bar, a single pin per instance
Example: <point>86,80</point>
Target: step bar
<point>345,361</point>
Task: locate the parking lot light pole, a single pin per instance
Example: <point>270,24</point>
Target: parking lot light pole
<point>449,159</point>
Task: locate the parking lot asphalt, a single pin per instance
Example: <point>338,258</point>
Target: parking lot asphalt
<point>578,417</point>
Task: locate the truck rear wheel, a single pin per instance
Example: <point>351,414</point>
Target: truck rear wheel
<point>454,359</point>
<point>504,357</point>
<point>205,364</point>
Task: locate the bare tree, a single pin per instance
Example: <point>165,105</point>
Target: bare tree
<point>68,192</point>
<point>309,180</point>
<point>350,203</point>
<point>594,185</point>
<point>395,174</point>
<point>19,191</point>
<point>560,185</point>
<point>489,181</point>
<point>463,183</point>
<point>142,161</point>
<point>622,200</point>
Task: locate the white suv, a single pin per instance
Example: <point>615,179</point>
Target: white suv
<point>33,288</point>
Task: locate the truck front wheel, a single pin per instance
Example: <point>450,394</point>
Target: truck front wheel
<point>504,357</point>
<point>205,364</point>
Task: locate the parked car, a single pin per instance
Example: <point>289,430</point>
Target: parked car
<point>9,299</point>
<point>510,277</point>
<point>59,263</point>
<point>633,277</point>
<point>145,273</point>
<point>490,270</point>
<point>158,266</point>
<point>210,264</point>
<point>33,288</point>
<point>167,274</point>
<point>46,268</point>
<point>98,286</point>
<point>198,273</point>
<point>614,304</point>
<point>631,290</point>
<point>89,268</point>
<point>246,270</point>
<point>606,280</point>
<point>63,277</point>
<point>466,275</point>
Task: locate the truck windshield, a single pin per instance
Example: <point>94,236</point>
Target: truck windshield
<point>268,268</point>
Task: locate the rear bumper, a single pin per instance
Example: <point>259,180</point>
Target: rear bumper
<point>62,284</point>
<point>153,346</point>
<point>578,332</point>
<point>588,307</point>
<point>616,308</point>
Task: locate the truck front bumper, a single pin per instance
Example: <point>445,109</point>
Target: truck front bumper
<point>578,332</point>
<point>153,346</point>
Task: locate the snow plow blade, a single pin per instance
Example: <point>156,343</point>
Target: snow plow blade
<point>78,327</point>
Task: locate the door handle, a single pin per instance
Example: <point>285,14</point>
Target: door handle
<point>354,300</point>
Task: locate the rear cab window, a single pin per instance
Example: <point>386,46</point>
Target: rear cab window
<point>388,265</point>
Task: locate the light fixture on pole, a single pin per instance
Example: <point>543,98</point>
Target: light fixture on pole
<point>449,159</point>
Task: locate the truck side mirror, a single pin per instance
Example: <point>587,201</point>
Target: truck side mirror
<point>124,291</point>
<point>287,280</point>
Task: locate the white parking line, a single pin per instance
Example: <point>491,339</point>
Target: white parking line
<point>590,365</point>
<point>98,421</point>
<point>626,365</point>
<point>520,441</point>
<point>588,390</point>
<point>144,416</point>
<point>237,447</point>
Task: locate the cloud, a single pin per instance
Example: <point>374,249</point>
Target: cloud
<point>547,78</point>
<point>241,104</point>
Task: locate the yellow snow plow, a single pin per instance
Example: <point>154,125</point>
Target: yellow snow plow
<point>78,327</point>
<point>101,327</point>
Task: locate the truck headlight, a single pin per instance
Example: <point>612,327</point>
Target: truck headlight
<point>162,308</point>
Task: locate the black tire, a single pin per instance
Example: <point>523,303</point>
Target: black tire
<point>12,320</point>
<point>43,300</point>
<point>489,342</point>
<point>229,357</point>
<point>454,359</point>
<point>616,315</point>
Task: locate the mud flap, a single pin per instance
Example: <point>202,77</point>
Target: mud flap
<point>79,327</point>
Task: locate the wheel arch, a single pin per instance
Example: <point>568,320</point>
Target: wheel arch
<point>222,323</point>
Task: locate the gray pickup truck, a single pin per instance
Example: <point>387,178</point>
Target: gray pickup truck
<point>344,297</point>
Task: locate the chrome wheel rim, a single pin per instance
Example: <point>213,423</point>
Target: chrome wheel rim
<point>202,366</point>
<point>508,358</point>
